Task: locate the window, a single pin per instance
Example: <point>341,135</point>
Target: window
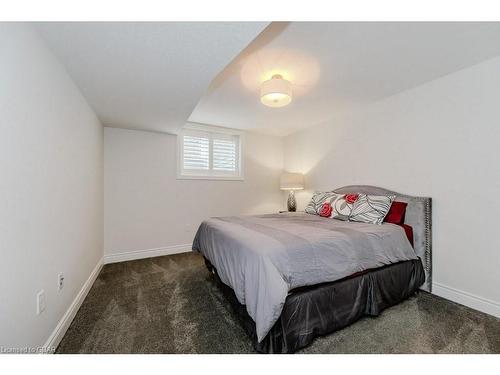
<point>209,153</point>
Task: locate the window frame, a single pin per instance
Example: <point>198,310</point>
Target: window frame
<point>212,132</point>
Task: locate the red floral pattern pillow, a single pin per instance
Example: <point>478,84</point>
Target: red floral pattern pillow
<point>317,201</point>
<point>326,210</point>
<point>342,206</point>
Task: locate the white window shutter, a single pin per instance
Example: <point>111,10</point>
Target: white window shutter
<point>196,153</point>
<point>209,153</point>
<point>225,154</point>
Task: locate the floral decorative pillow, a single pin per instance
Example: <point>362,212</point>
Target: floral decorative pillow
<point>343,205</point>
<point>326,210</point>
<point>318,199</point>
<point>371,209</point>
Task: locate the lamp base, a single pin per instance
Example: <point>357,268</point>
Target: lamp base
<point>291,203</point>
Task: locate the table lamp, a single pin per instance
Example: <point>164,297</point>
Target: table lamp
<point>292,182</point>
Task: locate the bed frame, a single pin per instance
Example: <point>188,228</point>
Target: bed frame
<point>321,309</point>
<point>418,216</point>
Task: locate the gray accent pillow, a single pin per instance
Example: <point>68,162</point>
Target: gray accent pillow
<point>371,209</point>
<point>317,201</point>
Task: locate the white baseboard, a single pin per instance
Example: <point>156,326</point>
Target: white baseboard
<point>61,328</point>
<point>452,294</point>
<point>470,300</point>
<point>148,253</point>
<point>63,325</point>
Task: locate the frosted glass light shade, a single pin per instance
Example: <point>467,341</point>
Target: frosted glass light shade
<point>276,92</point>
<point>292,181</point>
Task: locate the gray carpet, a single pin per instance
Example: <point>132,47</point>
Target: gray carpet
<point>171,304</point>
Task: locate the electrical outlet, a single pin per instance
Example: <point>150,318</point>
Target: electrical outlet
<point>40,302</point>
<point>60,281</point>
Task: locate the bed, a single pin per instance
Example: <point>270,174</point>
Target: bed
<point>293,276</point>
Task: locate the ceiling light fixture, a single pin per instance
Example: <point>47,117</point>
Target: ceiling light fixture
<point>276,92</point>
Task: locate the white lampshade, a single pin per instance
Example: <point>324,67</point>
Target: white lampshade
<point>292,181</point>
<point>276,92</point>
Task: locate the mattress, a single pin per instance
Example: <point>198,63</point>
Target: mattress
<point>263,258</point>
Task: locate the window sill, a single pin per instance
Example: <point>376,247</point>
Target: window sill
<point>214,178</point>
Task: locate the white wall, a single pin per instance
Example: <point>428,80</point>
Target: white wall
<point>50,188</point>
<point>442,140</point>
<point>147,207</point>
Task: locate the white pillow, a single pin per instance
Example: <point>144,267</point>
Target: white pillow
<point>318,199</point>
<point>371,209</point>
<point>343,205</point>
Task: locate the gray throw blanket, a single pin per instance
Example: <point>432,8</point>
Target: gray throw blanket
<point>263,257</point>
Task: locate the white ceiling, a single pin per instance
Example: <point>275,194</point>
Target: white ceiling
<point>146,76</point>
<point>151,76</point>
<point>338,66</point>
